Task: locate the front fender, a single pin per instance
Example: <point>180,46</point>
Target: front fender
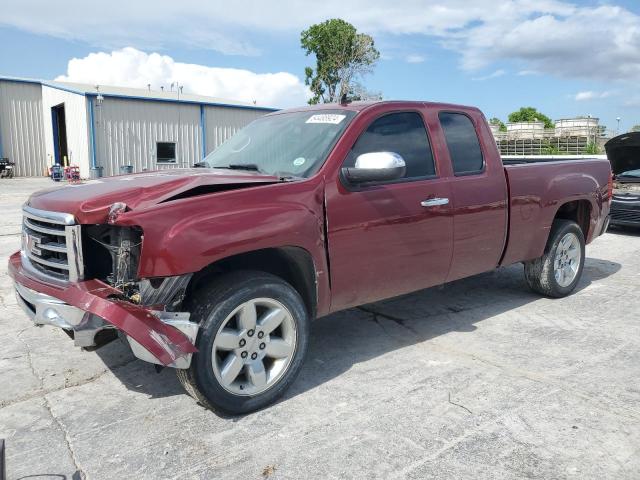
<point>187,235</point>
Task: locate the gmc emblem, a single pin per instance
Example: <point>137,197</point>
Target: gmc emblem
<point>31,243</point>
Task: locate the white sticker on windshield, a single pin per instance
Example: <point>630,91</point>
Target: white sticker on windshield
<point>299,161</point>
<point>333,118</point>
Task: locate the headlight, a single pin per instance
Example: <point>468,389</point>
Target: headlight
<point>113,254</point>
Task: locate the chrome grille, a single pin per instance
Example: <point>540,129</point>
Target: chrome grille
<point>51,244</point>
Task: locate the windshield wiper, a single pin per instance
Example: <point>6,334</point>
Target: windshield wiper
<point>282,176</point>
<point>242,166</point>
<point>286,176</point>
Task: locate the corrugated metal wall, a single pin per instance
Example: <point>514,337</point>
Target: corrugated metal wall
<point>222,122</point>
<point>76,119</point>
<point>127,131</point>
<point>21,129</point>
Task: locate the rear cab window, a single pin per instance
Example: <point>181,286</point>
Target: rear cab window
<point>462,142</point>
<point>403,133</point>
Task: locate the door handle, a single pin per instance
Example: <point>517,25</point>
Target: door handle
<point>434,202</point>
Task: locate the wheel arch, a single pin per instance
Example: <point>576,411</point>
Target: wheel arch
<point>579,211</point>
<point>294,265</point>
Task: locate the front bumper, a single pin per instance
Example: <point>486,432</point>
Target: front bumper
<point>625,210</point>
<point>86,308</point>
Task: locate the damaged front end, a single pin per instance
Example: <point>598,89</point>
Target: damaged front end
<point>83,279</point>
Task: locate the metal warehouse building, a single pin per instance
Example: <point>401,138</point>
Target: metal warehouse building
<point>101,128</point>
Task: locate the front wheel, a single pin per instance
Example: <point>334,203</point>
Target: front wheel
<point>558,271</point>
<point>254,331</point>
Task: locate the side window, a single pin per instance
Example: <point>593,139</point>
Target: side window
<point>462,141</point>
<point>401,133</point>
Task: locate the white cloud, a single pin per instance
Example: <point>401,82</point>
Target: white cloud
<point>498,73</point>
<point>600,41</point>
<point>633,102</point>
<point>588,95</point>
<point>591,95</point>
<point>130,67</point>
<point>415,58</point>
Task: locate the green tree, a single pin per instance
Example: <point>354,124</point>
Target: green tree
<point>548,149</point>
<point>530,114</point>
<point>358,92</point>
<point>592,148</point>
<point>500,123</point>
<point>342,56</point>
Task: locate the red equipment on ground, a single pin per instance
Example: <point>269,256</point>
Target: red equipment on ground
<point>72,173</point>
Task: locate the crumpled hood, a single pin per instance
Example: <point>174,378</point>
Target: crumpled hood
<point>89,201</point>
<point>623,152</point>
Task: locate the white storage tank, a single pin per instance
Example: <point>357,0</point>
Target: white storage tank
<point>577,127</point>
<point>522,130</point>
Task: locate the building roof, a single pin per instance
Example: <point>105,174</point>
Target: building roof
<point>137,93</point>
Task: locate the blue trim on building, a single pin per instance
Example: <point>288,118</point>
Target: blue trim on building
<point>56,137</point>
<point>135,97</point>
<point>92,134</point>
<point>64,89</point>
<point>188,102</point>
<point>203,131</point>
<point>44,83</point>
<point>1,149</point>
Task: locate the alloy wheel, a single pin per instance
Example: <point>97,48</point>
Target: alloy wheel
<point>567,259</point>
<point>254,346</point>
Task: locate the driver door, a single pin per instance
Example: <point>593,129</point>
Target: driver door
<point>394,237</point>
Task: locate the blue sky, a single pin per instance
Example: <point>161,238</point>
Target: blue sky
<point>565,58</point>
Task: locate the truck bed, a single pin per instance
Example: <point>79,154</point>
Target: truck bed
<point>535,188</point>
<point>520,159</point>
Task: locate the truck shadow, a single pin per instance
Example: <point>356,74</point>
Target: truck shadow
<point>357,335</point>
<point>344,339</point>
<point>624,231</point>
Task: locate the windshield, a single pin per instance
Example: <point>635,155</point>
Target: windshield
<point>289,144</point>
<point>630,173</point>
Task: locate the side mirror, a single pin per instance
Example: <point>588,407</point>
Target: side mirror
<point>376,167</point>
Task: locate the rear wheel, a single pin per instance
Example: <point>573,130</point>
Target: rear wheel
<point>558,271</point>
<point>252,342</point>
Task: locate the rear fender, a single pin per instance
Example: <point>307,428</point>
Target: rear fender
<point>538,191</point>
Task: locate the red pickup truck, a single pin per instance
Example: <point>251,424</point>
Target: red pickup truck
<point>218,270</point>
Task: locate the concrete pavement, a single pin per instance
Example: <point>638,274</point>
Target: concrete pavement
<point>478,379</point>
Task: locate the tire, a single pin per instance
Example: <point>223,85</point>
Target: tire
<point>223,309</point>
<point>542,274</point>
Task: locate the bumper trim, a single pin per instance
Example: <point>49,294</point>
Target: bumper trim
<point>179,320</point>
<point>44,309</point>
<point>167,343</point>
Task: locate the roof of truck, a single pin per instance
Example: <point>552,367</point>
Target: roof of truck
<point>362,105</point>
